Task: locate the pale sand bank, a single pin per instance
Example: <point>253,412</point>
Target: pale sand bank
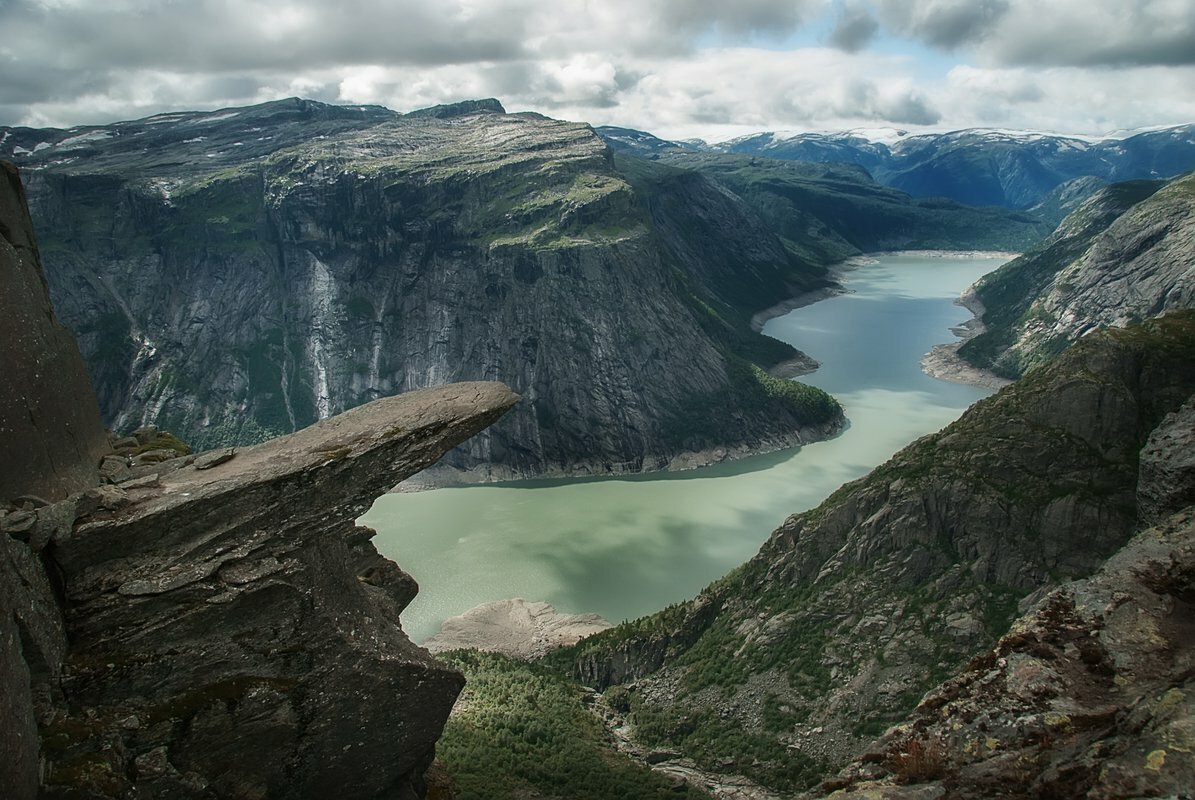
<point>516,628</point>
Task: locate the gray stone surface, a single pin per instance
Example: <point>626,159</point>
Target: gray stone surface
<point>1167,481</point>
<point>249,629</point>
<point>48,415</point>
<point>1089,695</point>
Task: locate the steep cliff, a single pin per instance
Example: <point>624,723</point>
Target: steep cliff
<point>234,634</point>
<point>212,625</point>
<point>1126,254</point>
<point>47,409</point>
<point>852,610</point>
<point>237,275</point>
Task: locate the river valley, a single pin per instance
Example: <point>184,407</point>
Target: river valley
<point>626,546</point>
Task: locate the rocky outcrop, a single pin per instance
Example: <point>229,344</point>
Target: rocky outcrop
<point>1089,695</point>
<point>233,633</point>
<point>1125,255</point>
<point>852,610</point>
<point>212,625</point>
<point>239,275</point>
<point>48,412</point>
<point>514,628</point>
<point>1167,483</point>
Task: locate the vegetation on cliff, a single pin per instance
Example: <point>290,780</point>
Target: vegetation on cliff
<point>854,609</point>
<point>520,730</point>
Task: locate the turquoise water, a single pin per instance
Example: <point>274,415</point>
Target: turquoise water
<point>624,547</point>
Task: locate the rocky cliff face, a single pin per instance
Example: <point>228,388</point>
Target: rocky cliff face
<point>238,275</point>
<point>852,610</point>
<point>1089,695</point>
<point>213,625</point>
<point>234,634</point>
<point>48,412</point>
<point>1126,254</point>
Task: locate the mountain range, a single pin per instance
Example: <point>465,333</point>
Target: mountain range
<point>240,274</point>
<point>1013,169</point>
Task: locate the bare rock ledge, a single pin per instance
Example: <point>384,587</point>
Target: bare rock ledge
<point>234,633</point>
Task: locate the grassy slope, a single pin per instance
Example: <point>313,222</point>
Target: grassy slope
<point>521,732</point>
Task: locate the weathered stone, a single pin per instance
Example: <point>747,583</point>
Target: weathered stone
<point>1167,482</point>
<point>214,458</point>
<point>114,469</point>
<point>144,482</point>
<point>146,434</point>
<point>125,443</point>
<point>1069,703</point>
<point>32,645</point>
<point>235,605</point>
<point>154,456</point>
<point>48,412</point>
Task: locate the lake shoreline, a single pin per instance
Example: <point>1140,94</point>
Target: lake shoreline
<point>944,362</point>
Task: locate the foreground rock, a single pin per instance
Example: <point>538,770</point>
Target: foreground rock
<point>48,413</point>
<point>514,628</point>
<point>234,634</point>
<point>1090,695</point>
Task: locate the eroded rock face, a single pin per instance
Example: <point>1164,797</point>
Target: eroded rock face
<point>1125,255</point>
<point>48,412</point>
<point>234,634</point>
<point>1089,695</point>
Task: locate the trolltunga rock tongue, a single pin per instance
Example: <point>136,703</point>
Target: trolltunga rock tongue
<point>234,633</point>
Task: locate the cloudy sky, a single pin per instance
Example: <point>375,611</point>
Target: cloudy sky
<point>679,68</point>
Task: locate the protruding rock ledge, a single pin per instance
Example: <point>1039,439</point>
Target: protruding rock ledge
<point>235,634</point>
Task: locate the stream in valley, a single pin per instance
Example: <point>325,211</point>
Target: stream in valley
<point>627,546</point>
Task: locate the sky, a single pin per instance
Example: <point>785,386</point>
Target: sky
<point>678,68</point>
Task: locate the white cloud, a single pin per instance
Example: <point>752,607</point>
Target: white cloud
<point>676,67</point>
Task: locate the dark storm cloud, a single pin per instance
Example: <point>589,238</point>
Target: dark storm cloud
<point>1148,34</point>
<point>854,29</point>
<point>943,23</point>
<point>772,17</point>
<point>1081,33</point>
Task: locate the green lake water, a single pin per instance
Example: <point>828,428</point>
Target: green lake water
<point>625,547</point>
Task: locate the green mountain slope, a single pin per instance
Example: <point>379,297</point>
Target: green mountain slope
<point>852,610</point>
<point>1127,253</point>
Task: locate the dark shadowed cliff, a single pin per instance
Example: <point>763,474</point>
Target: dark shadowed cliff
<point>237,275</point>
<point>47,409</point>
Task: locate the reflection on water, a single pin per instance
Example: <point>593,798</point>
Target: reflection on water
<point>628,546</point>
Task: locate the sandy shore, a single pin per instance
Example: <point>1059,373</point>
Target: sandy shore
<point>516,628</point>
<point>944,363</point>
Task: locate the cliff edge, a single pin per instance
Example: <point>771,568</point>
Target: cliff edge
<point>212,625</point>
